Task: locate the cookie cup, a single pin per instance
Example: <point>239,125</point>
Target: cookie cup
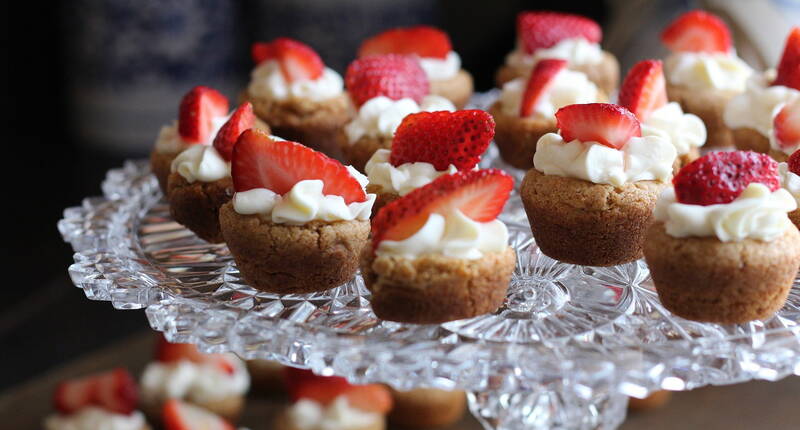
<point>579,222</point>
<point>457,89</point>
<point>293,259</point>
<point>604,74</point>
<point>794,217</point>
<point>196,205</point>
<point>709,105</point>
<point>230,408</point>
<point>266,377</point>
<point>359,152</point>
<point>284,422</point>
<point>684,159</point>
<point>161,166</point>
<point>426,408</point>
<point>382,198</point>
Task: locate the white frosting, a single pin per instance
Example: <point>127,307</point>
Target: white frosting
<point>789,181</point>
<point>339,415</point>
<point>577,51</point>
<point>92,418</point>
<point>452,235</point>
<point>641,159</point>
<point>703,70</point>
<point>169,139</point>
<point>568,87</point>
<point>380,116</point>
<point>438,69</point>
<point>267,81</point>
<point>199,382</point>
<point>404,178</point>
<point>757,213</point>
<point>684,130</point>
<point>201,163</point>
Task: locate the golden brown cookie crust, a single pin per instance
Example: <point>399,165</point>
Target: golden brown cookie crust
<point>229,408</point>
<point>794,217</point>
<point>684,159</point>
<point>382,198</point>
<point>655,400</point>
<point>433,289</point>
<point>161,166</point>
<point>359,152</point>
<point>457,89</point>
<point>747,139</point>
<point>426,408</point>
<point>579,222</point>
<point>778,156</point>
<point>516,137</point>
<point>266,377</point>
<point>292,259</point>
<point>704,279</point>
<point>196,205</point>
<point>284,422</point>
<point>604,74</point>
<point>709,105</point>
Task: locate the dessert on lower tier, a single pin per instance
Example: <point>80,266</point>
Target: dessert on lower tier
<point>426,146</point>
<point>763,118</point>
<point>569,37</point>
<point>100,401</point>
<point>644,93</point>
<point>180,415</point>
<point>439,253</point>
<point>591,193</point>
<point>426,408</point>
<point>435,53</point>
<point>300,98</point>
<point>526,108</point>
<point>384,88</point>
<point>703,72</point>
<point>331,403</point>
<point>298,219</point>
<point>215,382</point>
<point>723,249</point>
<point>266,376</point>
<point>789,172</point>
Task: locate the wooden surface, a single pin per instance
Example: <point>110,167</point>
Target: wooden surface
<point>755,405</point>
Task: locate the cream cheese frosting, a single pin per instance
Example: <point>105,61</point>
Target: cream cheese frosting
<point>452,235</point>
<point>684,130</point>
<point>641,159</point>
<point>170,141</point>
<point>199,382</point>
<point>702,70</point>
<point>307,414</point>
<point>380,116</point>
<point>577,51</point>
<point>568,87</point>
<point>267,81</point>
<point>404,178</point>
<point>757,213</point>
<point>201,163</point>
<point>92,418</point>
<point>437,69</point>
<point>789,181</point>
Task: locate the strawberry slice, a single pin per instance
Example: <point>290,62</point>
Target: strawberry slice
<point>789,67</point>
<point>644,89</point>
<point>178,415</point>
<point>538,30</point>
<point>697,31</point>
<point>277,165</point>
<point>198,108</point>
<point>242,119</point>
<point>605,123</point>
<point>720,177</point>
<point>794,162</point>
<point>304,384</point>
<point>539,82</point>
<point>786,125</point>
<point>114,391</point>
<point>478,194</point>
<point>443,138</point>
<point>391,75</point>
<point>297,60</point>
<point>424,41</point>
<point>167,352</point>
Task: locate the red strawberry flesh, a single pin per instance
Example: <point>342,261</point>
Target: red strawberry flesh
<point>538,30</point>
<point>539,82</point>
<point>697,31</point>
<point>720,177</point>
<point>242,119</point>
<point>794,162</point>
<point>786,125</point>
<point>644,89</point>
<point>391,75</point>
<point>789,66</point>
<point>199,107</point>
<point>424,41</point>
<point>605,123</point>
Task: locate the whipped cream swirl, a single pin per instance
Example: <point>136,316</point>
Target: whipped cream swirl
<point>438,69</point>
<point>577,51</point>
<point>267,81</point>
<point>790,181</point>
<point>404,178</point>
<point>702,70</point>
<point>568,87</point>
<point>201,163</point>
<point>380,116</point>
<point>170,141</point>
<point>307,414</point>
<point>199,382</point>
<point>684,130</point>
<point>92,418</point>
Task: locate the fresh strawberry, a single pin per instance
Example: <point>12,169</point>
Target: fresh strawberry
<point>422,40</point>
<point>537,30</point>
<point>304,384</point>
<point>478,194</point>
<point>786,125</point>
<point>541,79</point>
<point>794,162</point>
<point>114,391</point>
<point>789,67</point>
<point>697,31</point>
<point>242,119</point>
<point>644,89</point>
<point>261,162</point>
<point>443,138</point>
<point>372,398</point>
<point>167,352</point>
<point>719,177</point>
<point>178,415</point>
<point>198,108</point>
<point>391,75</point>
<point>609,124</point>
<point>296,59</point>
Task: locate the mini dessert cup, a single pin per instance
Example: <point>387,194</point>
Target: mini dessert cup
<point>425,408</point>
<point>266,377</point>
<point>196,205</point>
<point>789,172</point>
<point>604,74</point>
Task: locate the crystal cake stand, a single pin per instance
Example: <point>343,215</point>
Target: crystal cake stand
<point>568,346</point>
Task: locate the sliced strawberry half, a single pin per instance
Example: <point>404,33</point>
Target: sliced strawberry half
<point>304,384</point>
<point>697,31</point>
<point>167,352</point>
<point>297,60</point>
<point>422,40</point>
<point>609,124</point>
<point>391,75</point>
<point>539,82</point>
<point>114,391</point>
<point>198,108</point>
<point>537,30</point>
<point>720,177</point>
<point>789,67</point>
<point>478,194</point>
<point>73,395</point>
<point>644,89</point>
<point>178,415</point>
<point>242,119</point>
<point>786,125</point>
<point>277,165</point>
<point>794,162</point>
<point>443,138</point>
